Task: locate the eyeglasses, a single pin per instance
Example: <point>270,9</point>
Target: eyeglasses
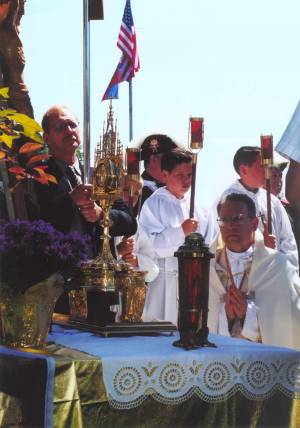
<point>62,126</point>
<point>236,219</point>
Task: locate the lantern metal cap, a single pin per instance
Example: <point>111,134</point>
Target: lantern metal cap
<point>194,246</point>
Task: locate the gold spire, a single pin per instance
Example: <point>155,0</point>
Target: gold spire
<point>109,144</point>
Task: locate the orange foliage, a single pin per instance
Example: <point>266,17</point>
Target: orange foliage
<point>37,158</point>
<point>17,170</point>
<point>30,147</point>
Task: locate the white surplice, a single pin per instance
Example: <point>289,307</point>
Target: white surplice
<point>281,225</point>
<point>275,289</point>
<point>161,216</point>
<point>240,264</point>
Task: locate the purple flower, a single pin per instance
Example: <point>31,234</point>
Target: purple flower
<point>32,251</point>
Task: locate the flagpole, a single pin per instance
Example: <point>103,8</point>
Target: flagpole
<point>86,90</point>
<point>130,111</point>
<point>129,63</point>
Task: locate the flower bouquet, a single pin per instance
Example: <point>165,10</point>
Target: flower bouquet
<point>36,264</point>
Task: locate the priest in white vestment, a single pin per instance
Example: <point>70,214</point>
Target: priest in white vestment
<point>254,291</point>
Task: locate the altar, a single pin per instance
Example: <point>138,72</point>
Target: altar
<point>84,380</point>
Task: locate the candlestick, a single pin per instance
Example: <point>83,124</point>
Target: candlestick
<point>266,143</point>
<point>195,145</point>
<point>133,157</point>
<point>196,127</point>
<point>133,161</point>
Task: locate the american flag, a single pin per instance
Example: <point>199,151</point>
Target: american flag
<point>129,63</point>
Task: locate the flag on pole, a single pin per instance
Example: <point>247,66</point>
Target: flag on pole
<point>129,63</point>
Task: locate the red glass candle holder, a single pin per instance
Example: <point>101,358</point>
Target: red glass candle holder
<point>196,129</point>
<point>133,161</point>
<point>266,144</point>
<point>193,267</point>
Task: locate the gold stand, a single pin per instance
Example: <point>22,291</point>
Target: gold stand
<point>104,265</point>
<point>108,182</point>
<point>106,279</point>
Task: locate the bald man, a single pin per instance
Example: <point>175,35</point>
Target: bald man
<point>68,205</point>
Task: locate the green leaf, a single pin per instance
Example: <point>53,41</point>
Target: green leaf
<point>26,121</point>
<point>7,112</point>
<point>4,92</point>
<point>31,128</point>
<point>35,136</point>
<point>7,140</point>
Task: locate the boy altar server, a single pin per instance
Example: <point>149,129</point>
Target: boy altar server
<point>248,165</point>
<point>165,218</point>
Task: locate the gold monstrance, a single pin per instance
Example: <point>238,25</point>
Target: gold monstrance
<point>108,180</point>
<point>104,273</point>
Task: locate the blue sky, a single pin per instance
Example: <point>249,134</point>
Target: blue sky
<point>235,63</point>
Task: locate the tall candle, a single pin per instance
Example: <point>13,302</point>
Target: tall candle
<point>266,143</point>
<point>196,126</point>
<point>133,161</point>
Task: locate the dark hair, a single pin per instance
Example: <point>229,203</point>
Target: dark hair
<point>175,157</point>
<point>45,122</point>
<point>245,155</point>
<point>239,197</point>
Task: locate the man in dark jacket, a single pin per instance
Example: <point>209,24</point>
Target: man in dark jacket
<point>68,205</point>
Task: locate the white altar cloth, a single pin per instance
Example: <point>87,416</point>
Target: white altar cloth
<point>137,367</point>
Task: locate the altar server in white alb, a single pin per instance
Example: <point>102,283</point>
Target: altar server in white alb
<point>165,218</point>
<point>254,291</point>
<point>248,164</point>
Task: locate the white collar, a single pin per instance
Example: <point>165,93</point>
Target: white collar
<point>163,191</point>
<point>76,166</point>
<point>239,261</point>
<point>241,255</point>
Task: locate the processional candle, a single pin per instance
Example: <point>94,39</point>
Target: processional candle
<point>196,127</point>
<point>133,161</point>
<point>266,144</point>
<point>195,145</point>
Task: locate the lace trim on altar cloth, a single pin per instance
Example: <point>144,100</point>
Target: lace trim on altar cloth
<point>141,367</point>
<point>213,382</point>
<point>196,392</point>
